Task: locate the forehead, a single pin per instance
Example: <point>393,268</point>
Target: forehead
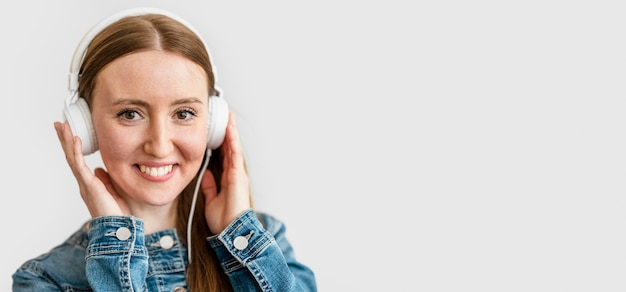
<point>153,73</point>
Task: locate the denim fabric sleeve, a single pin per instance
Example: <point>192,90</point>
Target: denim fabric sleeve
<point>257,257</point>
<point>33,278</point>
<point>117,258</point>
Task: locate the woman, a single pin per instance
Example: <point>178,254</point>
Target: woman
<point>147,80</point>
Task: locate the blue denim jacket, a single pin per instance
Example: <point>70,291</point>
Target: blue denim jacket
<point>116,255</point>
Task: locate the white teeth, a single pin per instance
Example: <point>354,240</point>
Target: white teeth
<point>156,171</point>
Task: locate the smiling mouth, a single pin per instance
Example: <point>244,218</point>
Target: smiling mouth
<point>156,171</point>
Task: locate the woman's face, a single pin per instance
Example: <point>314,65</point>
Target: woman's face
<point>149,112</point>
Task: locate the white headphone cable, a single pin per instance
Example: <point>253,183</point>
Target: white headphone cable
<point>193,202</point>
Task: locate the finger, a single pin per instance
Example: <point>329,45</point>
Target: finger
<point>79,166</point>
<point>79,159</point>
<point>233,148</point>
<point>208,185</point>
<point>66,140</point>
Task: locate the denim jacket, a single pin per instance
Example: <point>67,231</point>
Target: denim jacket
<point>116,255</point>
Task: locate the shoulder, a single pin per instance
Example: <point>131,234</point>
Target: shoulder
<point>62,265</point>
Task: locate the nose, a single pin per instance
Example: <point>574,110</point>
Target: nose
<point>159,139</point>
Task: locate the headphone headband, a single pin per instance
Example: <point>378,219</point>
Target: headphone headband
<point>81,49</point>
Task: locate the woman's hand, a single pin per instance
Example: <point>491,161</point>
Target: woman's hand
<point>95,188</point>
<point>234,197</point>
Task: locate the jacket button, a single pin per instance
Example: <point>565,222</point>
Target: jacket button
<point>240,242</point>
<point>166,242</point>
<point>179,289</point>
<point>122,233</point>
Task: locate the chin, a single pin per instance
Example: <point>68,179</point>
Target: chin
<point>161,200</point>
<point>156,197</point>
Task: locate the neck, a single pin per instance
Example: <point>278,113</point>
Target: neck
<point>155,218</point>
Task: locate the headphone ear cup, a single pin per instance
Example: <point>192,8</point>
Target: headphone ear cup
<point>217,121</point>
<point>78,116</point>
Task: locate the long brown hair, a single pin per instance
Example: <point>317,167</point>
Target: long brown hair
<point>157,32</point>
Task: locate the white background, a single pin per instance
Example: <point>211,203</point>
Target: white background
<point>407,145</point>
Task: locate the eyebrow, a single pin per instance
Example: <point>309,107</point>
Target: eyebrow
<point>132,101</point>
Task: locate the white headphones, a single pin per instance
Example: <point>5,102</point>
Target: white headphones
<point>76,111</point>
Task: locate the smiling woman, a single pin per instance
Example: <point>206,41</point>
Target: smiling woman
<point>144,96</point>
<point>144,105</point>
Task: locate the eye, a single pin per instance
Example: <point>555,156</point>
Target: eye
<point>185,114</point>
<point>129,115</point>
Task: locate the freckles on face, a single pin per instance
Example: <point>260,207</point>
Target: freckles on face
<point>149,111</point>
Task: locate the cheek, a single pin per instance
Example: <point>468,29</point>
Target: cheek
<point>115,144</point>
<point>192,144</point>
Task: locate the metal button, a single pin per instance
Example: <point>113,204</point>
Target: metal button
<point>179,289</point>
<point>122,233</point>
<point>241,242</point>
<point>166,242</point>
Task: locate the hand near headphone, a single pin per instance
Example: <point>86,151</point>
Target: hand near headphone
<point>95,188</point>
<point>234,197</point>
